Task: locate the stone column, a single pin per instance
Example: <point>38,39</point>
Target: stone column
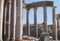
<point>58,23</point>
<point>1,17</point>
<point>19,25</point>
<point>27,22</point>
<point>57,32</point>
<point>35,21</point>
<point>45,33</point>
<point>9,19</point>
<point>57,29</point>
<point>4,21</point>
<point>45,20</point>
<point>58,26</point>
<point>12,20</point>
<point>54,21</point>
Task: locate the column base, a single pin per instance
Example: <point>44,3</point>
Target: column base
<point>44,36</point>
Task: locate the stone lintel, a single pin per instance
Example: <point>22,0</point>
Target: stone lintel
<point>40,4</point>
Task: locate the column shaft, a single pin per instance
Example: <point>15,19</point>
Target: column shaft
<point>35,21</point>
<point>58,26</point>
<point>4,21</point>
<point>9,20</point>
<point>54,21</point>
<point>19,26</point>
<point>1,17</point>
<point>28,25</point>
<point>58,23</point>
<point>53,17</point>
<point>45,20</point>
<point>12,20</point>
<point>57,29</point>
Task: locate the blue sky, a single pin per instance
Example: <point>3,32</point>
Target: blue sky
<point>40,12</point>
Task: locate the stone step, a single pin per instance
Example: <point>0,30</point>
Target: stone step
<point>54,40</point>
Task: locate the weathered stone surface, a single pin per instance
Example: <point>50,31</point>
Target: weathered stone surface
<point>40,4</point>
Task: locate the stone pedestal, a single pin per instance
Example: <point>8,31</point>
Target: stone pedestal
<point>45,36</point>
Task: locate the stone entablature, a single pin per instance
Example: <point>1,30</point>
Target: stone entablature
<point>40,4</point>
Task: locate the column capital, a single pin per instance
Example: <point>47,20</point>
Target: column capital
<point>27,9</point>
<point>53,6</point>
<point>35,7</point>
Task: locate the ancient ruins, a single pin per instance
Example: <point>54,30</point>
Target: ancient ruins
<point>13,29</point>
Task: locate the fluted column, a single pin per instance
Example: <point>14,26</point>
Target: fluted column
<point>9,19</point>
<point>35,21</point>
<point>54,20</point>
<point>1,17</point>
<point>45,20</point>
<point>19,24</point>
<point>12,21</point>
<point>27,22</point>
